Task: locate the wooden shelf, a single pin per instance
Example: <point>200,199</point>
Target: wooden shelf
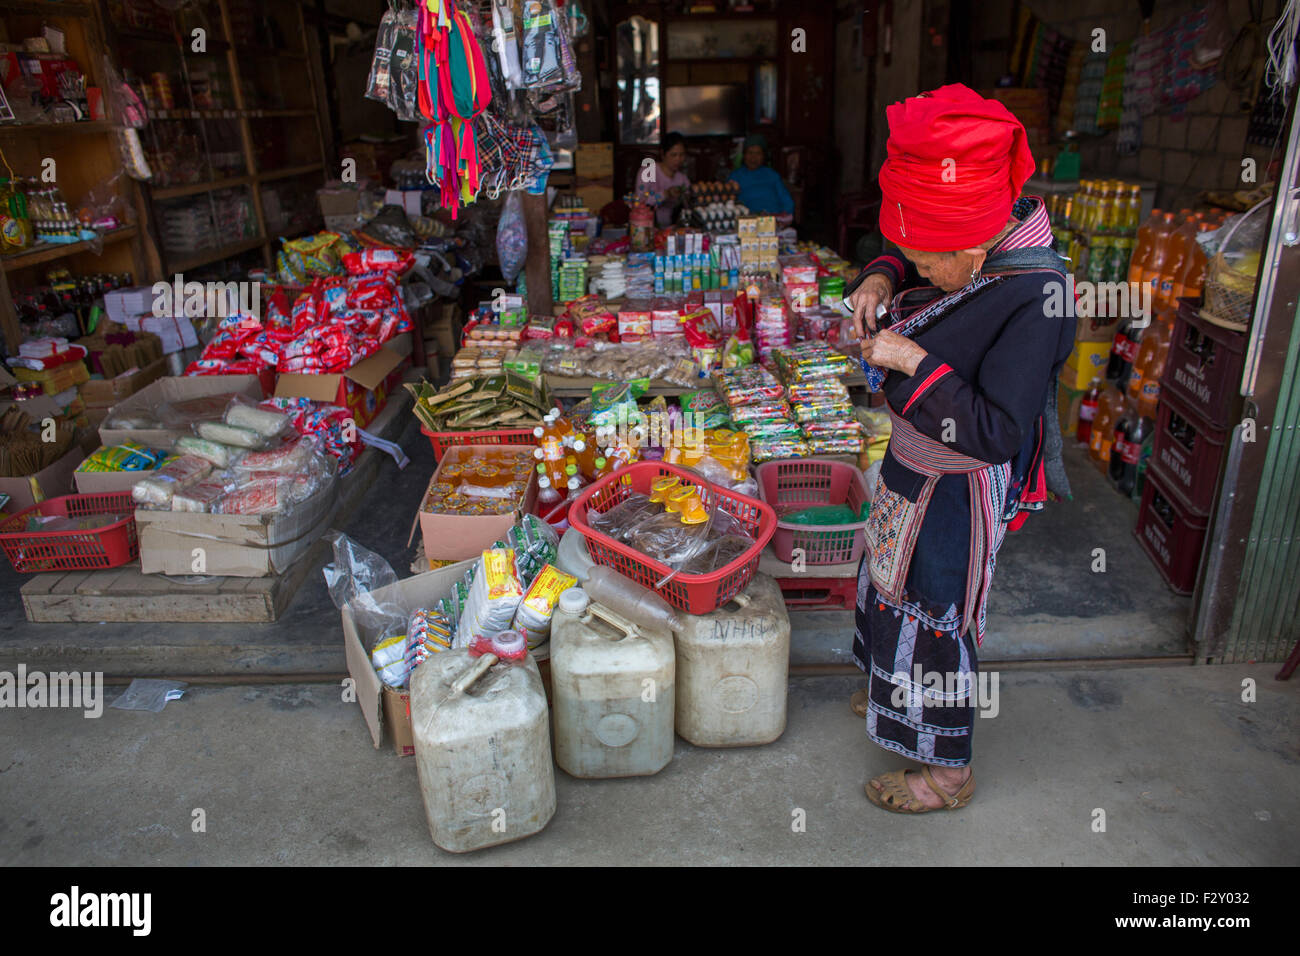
<point>49,9</point>
<point>225,113</point>
<point>204,256</point>
<point>190,189</point>
<point>214,44</point>
<point>34,129</point>
<point>268,52</point>
<point>49,251</point>
<point>290,171</point>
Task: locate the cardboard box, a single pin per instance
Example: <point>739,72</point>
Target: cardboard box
<point>594,161</point>
<point>444,327</point>
<point>1089,329</point>
<point>363,389</point>
<point>596,196</point>
<point>50,482</point>
<point>1067,407</point>
<point>106,482</point>
<point>174,390</point>
<point>1086,362</point>
<point>106,392</point>
<point>407,199</point>
<point>241,546</point>
<point>382,706</point>
<point>340,203</point>
<point>459,537</point>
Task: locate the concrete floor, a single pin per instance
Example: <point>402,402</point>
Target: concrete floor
<point>1186,773</point>
<point>1046,602</point>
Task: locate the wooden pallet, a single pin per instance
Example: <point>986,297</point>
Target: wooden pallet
<point>126,595</point>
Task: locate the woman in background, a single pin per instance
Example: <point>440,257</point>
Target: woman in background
<point>669,184</point>
<point>761,187</point>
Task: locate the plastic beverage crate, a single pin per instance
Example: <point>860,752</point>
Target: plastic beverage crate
<point>441,441</point>
<point>694,593</point>
<point>107,547</point>
<point>1170,535</point>
<point>1204,366</point>
<point>804,482</point>
<point>810,593</point>
<point>1189,464</point>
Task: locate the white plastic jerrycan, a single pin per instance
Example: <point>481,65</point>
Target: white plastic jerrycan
<point>732,667</point>
<point>482,748</point>
<point>612,691</point>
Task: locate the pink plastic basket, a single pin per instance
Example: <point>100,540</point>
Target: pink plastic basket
<point>694,593</point>
<point>802,483</point>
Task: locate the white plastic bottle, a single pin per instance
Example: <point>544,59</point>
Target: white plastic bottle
<point>612,686</point>
<point>732,670</point>
<point>482,749</point>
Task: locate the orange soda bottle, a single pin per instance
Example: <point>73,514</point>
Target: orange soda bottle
<point>1155,260</point>
<point>1103,427</point>
<point>1143,248</point>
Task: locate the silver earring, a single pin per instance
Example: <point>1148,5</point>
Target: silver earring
<point>974,274</point>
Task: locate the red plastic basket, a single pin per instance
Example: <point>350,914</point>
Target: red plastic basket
<point>694,593</point>
<point>441,441</point>
<point>802,483</point>
<point>107,547</point>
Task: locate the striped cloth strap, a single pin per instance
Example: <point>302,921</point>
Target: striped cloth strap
<point>923,454</point>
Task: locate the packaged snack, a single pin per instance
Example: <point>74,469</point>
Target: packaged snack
<point>222,456</point>
<point>199,497</point>
<point>258,497</point>
<point>540,601</point>
<point>159,487</point>
<point>428,632</point>
<point>263,421</point>
<point>127,456</point>
<point>291,457</point>
<point>230,435</point>
<point>492,597</point>
<point>388,660</point>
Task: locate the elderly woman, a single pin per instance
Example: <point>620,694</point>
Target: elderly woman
<point>969,361</point>
<point>761,187</point>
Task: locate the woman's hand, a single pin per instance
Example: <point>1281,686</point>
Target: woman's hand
<point>874,290</point>
<point>888,349</point>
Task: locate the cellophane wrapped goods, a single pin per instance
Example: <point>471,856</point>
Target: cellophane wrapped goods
<point>158,488</point>
<point>493,597</point>
<point>758,406</point>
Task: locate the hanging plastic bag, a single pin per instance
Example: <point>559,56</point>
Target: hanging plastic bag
<point>505,42</point>
<point>512,237</point>
<point>377,86</point>
<point>403,68</point>
<point>541,63</point>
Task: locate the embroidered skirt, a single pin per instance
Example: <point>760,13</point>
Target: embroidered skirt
<point>921,666</point>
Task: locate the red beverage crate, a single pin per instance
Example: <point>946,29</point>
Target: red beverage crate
<point>1170,534</point>
<point>1204,366</point>
<point>806,593</point>
<point>1190,459</point>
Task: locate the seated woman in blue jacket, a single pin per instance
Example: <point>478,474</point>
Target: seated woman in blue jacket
<point>761,188</point>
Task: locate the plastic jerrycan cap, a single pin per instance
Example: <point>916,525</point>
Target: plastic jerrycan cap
<point>574,600</point>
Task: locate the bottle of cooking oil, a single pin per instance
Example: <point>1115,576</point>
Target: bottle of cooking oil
<point>15,226</point>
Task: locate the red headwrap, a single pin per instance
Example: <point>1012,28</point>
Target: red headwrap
<point>954,166</point>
